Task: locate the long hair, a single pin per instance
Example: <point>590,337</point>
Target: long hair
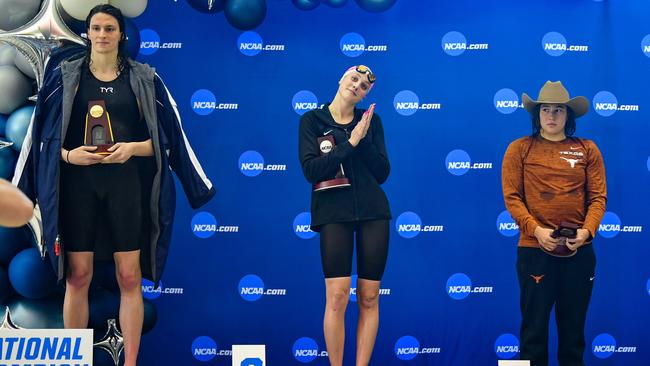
<point>122,54</point>
<point>569,127</point>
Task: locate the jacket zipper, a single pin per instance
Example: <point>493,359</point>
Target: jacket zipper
<point>354,191</point>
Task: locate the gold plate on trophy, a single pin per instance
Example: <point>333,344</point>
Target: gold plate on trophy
<point>96,111</point>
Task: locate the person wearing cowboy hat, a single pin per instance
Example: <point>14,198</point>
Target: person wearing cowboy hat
<point>552,179</point>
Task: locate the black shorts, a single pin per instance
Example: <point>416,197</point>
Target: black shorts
<point>337,242</point>
<point>100,205</point>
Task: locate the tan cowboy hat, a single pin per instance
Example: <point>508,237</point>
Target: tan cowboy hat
<point>553,92</point>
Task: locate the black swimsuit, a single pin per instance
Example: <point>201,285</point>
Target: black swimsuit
<point>104,203</point>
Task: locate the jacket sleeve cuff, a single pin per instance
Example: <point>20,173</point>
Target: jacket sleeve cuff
<point>592,230</point>
<point>344,149</point>
<point>202,200</point>
<point>530,227</point>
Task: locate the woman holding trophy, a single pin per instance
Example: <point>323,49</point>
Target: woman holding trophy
<point>104,135</point>
<point>343,155</point>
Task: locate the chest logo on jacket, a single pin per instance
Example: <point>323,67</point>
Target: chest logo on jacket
<point>326,146</point>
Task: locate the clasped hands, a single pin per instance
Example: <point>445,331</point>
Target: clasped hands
<point>549,243</point>
<point>84,155</point>
<point>361,129</point>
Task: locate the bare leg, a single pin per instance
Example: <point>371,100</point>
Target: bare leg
<point>338,294</point>
<point>78,277</point>
<point>368,301</point>
<point>129,278</point>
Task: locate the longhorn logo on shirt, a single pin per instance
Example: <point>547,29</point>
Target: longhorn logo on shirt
<point>571,161</point>
<point>538,279</point>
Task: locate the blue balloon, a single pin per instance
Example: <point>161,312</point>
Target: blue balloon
<point>12,241</point>
<point>204,6</point>
<point>3,122</point>
<point>36,314</point>
<point>5,286</point>
<point>306,4</point>
<point>31,276</point>
<point>245,14</point>
<point>8,159</point>
<point>102,305</point>
<point>336,3</point>
<point>376,6</point>
<point>133,38</point>
<point>150,316</point>
<point>17,125</point>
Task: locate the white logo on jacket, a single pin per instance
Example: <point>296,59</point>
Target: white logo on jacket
<point>326,146</point>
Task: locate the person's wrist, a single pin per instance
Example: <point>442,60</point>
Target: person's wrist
<point>135,148</point>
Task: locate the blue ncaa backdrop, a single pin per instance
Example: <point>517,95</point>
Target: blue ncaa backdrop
<point>450,79</point>
<point>245,269</point>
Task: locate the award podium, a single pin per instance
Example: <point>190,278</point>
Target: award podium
<point>98,130</point>
<point>326,144</point>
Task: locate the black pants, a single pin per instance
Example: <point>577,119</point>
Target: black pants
<point>566,283</point>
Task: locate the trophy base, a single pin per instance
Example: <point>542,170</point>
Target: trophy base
<point>332,183</point>
<point>102,149</point>
<point>561,250</point>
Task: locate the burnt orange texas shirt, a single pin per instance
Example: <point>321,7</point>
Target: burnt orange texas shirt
<point>547,182</point>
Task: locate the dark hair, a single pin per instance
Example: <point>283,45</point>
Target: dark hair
<point>122,54</point>
<point>569,127</point>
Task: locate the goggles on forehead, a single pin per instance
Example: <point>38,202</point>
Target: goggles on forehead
<point>363,69</point>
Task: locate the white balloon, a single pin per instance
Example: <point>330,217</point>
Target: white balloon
<point>7,54</point>
<point>23,64</point>
<point>79,9</point>
<point>16,13</point>
<point>15,88</point>
<point>130,8</point>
